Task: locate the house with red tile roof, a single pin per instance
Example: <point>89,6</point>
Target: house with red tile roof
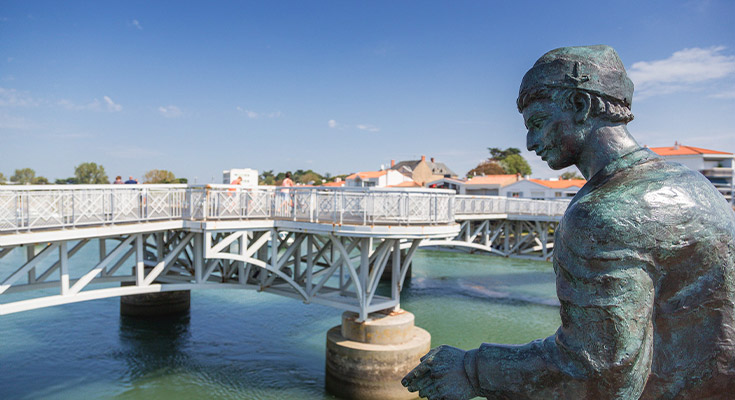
<point>383,178</point>
<point>543,189</point>
<point>715,165</point>
<point>481,185</point>
<point>339,183</point>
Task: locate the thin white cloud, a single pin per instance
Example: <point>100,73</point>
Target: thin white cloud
<point>254,115</point>
<point>368,128</point>
<point>14,98</point>
<point>724,94</point>
<point>94,105</point>
<point>685,70</point>
<point>332,123</point>
<point>70,105</point>
<point>12,122</point>
<point>136,24</point>
<point>170,111</point>
<point>111,105</point>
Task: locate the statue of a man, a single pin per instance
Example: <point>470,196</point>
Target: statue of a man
<point>644,260</point>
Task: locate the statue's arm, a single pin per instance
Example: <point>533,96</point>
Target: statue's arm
<point>602,349</point>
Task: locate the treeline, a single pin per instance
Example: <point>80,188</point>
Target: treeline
<point>88,173</point>
<point>299,176</point>
<point>500,162</point>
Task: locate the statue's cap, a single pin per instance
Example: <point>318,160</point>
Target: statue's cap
<point>596,69</point>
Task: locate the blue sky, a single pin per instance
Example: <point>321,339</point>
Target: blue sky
<point>333,86</point>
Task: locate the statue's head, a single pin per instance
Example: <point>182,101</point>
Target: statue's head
<point>567,92</point>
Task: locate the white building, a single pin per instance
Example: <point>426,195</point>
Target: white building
<point>717,166</point>
<point>484,185</point>
<point>541,189</point>
<point>385,178</point>
<point>249,176</point>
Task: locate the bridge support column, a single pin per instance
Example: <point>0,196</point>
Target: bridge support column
<point>155,304</point>
<point>366,360</point>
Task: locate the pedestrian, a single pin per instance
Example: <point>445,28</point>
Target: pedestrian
<point>130,181</point>
<point>118,180</point>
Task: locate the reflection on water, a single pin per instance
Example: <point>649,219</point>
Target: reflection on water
<point>154,345</point>
<point>249,345</point>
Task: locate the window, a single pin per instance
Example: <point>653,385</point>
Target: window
<point>515,194</point>
<point>557,194</point>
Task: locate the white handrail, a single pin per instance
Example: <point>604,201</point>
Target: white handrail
<point>27,208</point>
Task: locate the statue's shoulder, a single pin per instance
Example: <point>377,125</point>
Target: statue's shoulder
<point>645,201</point>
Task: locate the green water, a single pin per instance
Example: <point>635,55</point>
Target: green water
<point>249,345</point>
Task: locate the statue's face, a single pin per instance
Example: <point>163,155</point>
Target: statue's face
<point>552,133</point>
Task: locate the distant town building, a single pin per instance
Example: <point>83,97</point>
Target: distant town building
<point>249,176</point>
<point>337,183</point>
<point>422,171</point>
<point>483,185</point>
<point>543,189</point>
<point>383,178</point>
<point>717,166</point>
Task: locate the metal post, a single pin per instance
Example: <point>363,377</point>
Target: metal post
<point>309,261</point>
<point>363,274</point>
<point>64,270</point>
<point>30,253</point>
<point>395,293</point>
<point>139,264</point>
<point>198,256</point>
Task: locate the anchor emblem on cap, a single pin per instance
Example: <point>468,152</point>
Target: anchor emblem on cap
<point>576,77</point>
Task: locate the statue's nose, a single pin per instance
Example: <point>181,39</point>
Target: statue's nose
<point>532,141</point>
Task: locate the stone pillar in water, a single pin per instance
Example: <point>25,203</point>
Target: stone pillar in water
<point>155,304</point>
<point>367,360</point>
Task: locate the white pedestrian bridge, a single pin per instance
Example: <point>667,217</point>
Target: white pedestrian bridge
<point>322,245</point>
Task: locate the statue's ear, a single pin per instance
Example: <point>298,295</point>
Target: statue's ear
<point>582,104</point>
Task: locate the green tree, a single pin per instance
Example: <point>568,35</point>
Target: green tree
<point>266,178</point>
<point>66,181</point>
<point>40,180</point>
<point>497,154</point>
<point>571,175</point>
<point>23,176</point>
<point>516,164</point>
<point>159,176</point>
<point>182,180</point>
<point>486,167</point>
<point>310,177</point>
<point>3,179</point>
<point>90,173</point>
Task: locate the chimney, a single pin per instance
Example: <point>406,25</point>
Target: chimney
<point>432,159</point>
<point>392,163</point>
<point>676,145</point>
<point>423,158</point>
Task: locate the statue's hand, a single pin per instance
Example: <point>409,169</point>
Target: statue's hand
<point>441,375</point>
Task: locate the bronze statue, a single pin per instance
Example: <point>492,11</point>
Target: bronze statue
<point>644,260</point>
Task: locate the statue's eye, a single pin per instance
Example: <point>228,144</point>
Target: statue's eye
<point>538,123</point>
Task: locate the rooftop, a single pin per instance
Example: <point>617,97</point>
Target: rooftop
<point>560,184</point>
<point>681,150</point>
<point>493,180</point>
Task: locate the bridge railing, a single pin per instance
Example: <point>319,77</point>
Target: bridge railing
<point>473,205</point>
<point>67,206</point>
<point>25,208</point>
<point>354,206</point>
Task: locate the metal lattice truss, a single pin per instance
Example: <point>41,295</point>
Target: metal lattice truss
<point>338,271</point>
<point>532,239</point>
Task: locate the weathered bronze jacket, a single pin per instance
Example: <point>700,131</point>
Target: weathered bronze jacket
<point>645,273</point>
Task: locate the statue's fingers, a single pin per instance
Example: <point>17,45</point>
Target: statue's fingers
<point>420,370</point>
<point>429,392</point>
<point>420,382</point>
<point>430,355</point>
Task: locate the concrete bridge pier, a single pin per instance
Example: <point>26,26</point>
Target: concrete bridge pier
<point>366,360</point>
